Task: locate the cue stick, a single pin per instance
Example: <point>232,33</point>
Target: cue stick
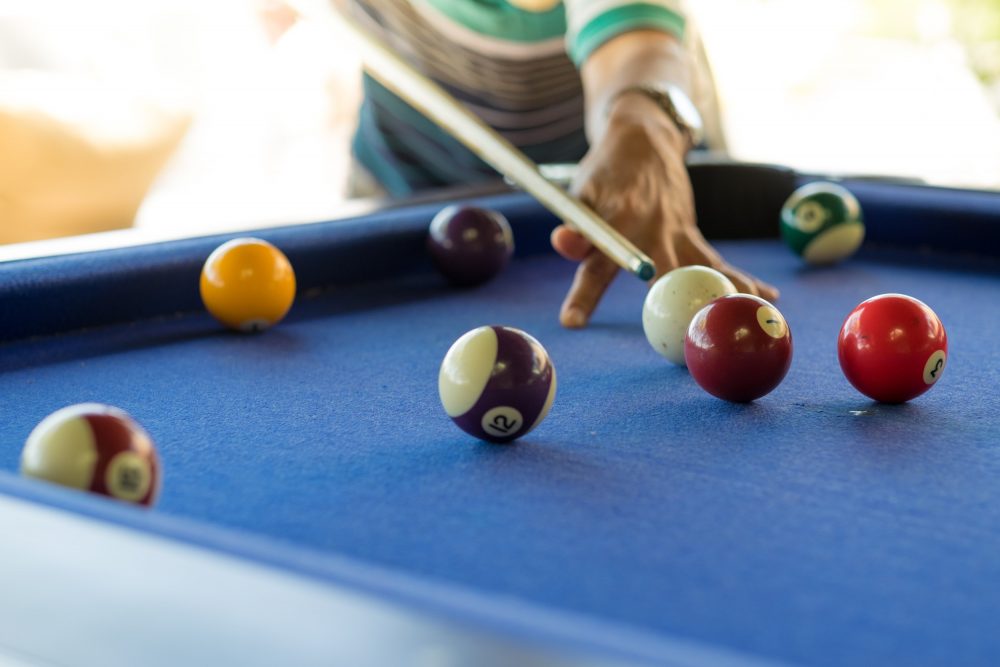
<point>439,106</point>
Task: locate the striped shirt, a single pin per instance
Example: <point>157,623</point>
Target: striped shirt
<point>511,62</point>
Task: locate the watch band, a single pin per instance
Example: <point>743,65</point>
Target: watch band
<point>675,103</point>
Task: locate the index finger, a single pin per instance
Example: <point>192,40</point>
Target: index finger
<point>592,279</point>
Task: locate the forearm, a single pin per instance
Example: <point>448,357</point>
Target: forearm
<point>635,57</point>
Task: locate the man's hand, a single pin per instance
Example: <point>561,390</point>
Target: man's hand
<point>634,175</point>
<point>636,179</point>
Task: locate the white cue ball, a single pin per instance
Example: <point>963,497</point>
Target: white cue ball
<point>672,302</point>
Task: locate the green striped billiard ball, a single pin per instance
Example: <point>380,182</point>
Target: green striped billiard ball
<point>822,223</point>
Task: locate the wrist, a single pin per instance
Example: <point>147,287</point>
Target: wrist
<point>632,107</point>
<point>632,103</point>
<point>673,103</point>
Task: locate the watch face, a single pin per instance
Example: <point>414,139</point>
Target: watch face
<point>686,112</point>
<point>676,104</point>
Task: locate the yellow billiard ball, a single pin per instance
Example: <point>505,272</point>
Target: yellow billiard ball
<point>247,284</point>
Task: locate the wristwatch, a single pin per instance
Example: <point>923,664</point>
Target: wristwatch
<point>676,104</point>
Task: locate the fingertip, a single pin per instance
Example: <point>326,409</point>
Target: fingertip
<point>573,317</point>
<point>592,278</point>
<point>769,293</point>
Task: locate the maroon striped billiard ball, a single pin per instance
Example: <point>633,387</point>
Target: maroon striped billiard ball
<point>892,348</point>
<point>497,383</point>
<point>468,245</point>
<point>96,448</point>
<point>738,348</point>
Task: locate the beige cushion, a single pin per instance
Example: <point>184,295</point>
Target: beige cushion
<point>74,157</point>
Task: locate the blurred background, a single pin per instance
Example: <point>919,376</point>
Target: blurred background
<point>186,117</point>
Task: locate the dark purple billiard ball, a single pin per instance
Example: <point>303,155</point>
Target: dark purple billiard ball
<point>738,348</point>
<point>469,245</point>
<point>497,383</point>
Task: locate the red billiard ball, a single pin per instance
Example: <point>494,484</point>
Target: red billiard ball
<point>892,348</point>
<point>738,348</point>
<point>497,383</point>
<point>469,246</point>
<point>96,448</point>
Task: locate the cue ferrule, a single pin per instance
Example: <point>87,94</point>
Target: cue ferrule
<point>436,104</point>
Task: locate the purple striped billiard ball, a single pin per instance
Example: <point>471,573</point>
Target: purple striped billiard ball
<point>469,245</point>
<point>497,383</point>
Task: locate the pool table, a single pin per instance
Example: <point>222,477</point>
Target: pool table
<point>318,506</point>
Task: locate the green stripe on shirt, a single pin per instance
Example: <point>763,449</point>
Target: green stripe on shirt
<point>531,97</point>
<point>502,20</point>
<point>610,24</point>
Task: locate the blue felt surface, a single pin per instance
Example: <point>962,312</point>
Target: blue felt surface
<point>53,295</point>
<point>812,526</point>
